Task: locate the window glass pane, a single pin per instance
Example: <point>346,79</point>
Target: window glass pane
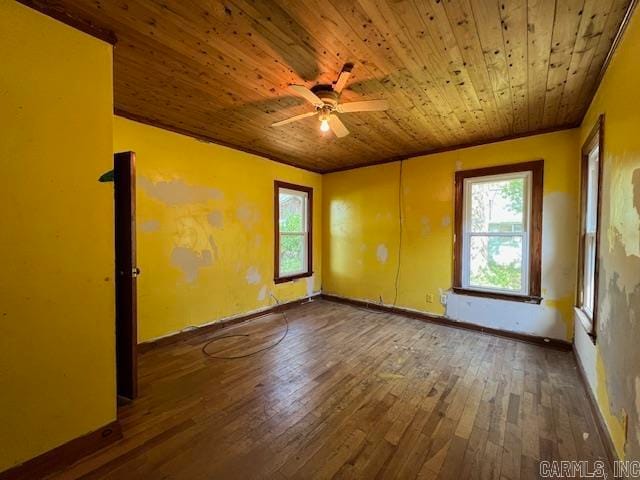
<point>496,262</point>
<point>292,216</point>
<point>592,191</point>
<point>292,254</point>
<point>589,270</point>
<point>498,206</point>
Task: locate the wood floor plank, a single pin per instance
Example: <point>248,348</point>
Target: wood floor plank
<point>348,394</point>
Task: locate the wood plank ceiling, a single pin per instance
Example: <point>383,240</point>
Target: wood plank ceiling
<point>455,72</point>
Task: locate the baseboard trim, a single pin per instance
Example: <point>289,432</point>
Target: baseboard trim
<point>65,454</point>
<point>597,414</point>
<point>218,325</point>
<point>541,341</point>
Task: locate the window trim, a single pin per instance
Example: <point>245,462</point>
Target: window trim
<point>277,185</point>
<point>536,169</point>
<point>595,137</point>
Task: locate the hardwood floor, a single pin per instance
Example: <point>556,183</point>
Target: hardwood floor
<point>350,393</point>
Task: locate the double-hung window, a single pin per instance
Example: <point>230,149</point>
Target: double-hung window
<point>498,231</point>
<point>293,242</point>
<point>591,172</point>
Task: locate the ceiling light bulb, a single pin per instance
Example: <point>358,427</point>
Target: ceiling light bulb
<point>324,125</point>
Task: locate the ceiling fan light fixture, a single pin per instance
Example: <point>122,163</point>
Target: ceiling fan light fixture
<point>324,119</point>
<point>325,99</point>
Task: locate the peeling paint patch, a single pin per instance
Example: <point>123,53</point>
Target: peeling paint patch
<point>190,261</point>
<point>564,307</point>
<point>192,231</point>
<point>262,294</point>
<point>506,315</point>
<point>445,221</point>
<point>253,276</point>
<point>635,181</point>
<point>215,219</point>
<point>214,247</point>
<point>618,330</point>
<point>382,253</point>
<point>149,226</point>
<point>617,426</point>
<point>247,215</point>
<point>623,209</point>
<point>310,282</point>
<point>177,192</point>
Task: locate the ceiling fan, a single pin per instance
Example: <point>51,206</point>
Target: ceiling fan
<point>326,100</point>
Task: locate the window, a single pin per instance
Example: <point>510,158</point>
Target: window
<point>293,214</point>
<point>498,231</point>
<point>591,173</point>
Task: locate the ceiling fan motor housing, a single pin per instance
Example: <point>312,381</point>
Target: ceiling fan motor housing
<point>326,94</point>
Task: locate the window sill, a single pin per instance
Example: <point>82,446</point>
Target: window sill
<point>499,296</point>
<point>586,322</point>
<point>292,277</point>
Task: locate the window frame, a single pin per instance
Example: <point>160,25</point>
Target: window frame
<point>467,232</point>
<point>277,186</point>
<point>534,224</point>
<point>593,140</point>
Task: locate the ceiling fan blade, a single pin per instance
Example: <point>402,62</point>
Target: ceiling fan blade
<point>364,106</point>
<point>307,94</point>
<point>343,78</point>
<point>295,118</point>
<point>337,126</point>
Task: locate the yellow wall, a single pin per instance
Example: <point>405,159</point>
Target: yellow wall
<point>361,233</point>
<point>56,239</point>
<point>616,357</point>
<point>205,229</point>
<point>205,234</point>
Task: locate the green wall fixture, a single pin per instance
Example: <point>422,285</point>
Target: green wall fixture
<point>106,177</point>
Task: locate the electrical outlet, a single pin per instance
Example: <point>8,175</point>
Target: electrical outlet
<point>443,299</point>
<point>429,297</point>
